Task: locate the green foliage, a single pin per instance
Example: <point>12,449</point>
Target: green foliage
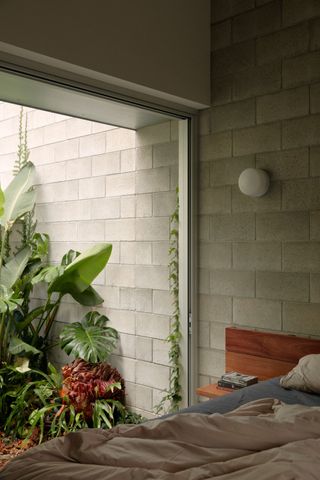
<point>79,274</point>
<point>105,411</point>
<point>14,268</point>
<point>39,402</point>
<point>33,327</point>
<point>37,324</point>
<point>18,200</point>
<point>19,273</point>
<point>25,331</point>
<point>33,399</point>
<point>28,223</point>
<point>10,381</point>
<point>18,347</point>
<point>35,403</point>
<point>91,339</point>
<point>2,200</point>
<point>19,197</point>
<point>173,394</point>
<point>132,418</point>
<point>39,245</point>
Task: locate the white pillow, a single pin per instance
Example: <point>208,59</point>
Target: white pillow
<point>305,376</point>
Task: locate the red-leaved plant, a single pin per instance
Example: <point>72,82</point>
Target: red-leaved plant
<point>88,392</point>
<point>84,383</point>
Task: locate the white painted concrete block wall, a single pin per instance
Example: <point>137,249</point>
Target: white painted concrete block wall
<point>99,183</point>
<point>260,258</point>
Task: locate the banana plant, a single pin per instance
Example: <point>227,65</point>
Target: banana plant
<point>30,331</point>
<point>74,277</point>
<point>26,332</point>
<point>15,201</point>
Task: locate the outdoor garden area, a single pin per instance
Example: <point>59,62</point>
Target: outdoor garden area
<point>60,376</point>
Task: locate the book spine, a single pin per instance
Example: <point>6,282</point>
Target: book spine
<point>225,384</point>
<point>241,383</point>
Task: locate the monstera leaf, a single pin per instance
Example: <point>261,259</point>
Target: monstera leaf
<point>19,197</point>
<point>91,339</point>
<point>79,274</point>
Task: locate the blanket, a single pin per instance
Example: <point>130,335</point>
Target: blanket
<point>262,440</point>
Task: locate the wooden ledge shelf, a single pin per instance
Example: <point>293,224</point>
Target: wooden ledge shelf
<point>212,390</point>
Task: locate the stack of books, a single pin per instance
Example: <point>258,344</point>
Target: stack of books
<point>236,380</point>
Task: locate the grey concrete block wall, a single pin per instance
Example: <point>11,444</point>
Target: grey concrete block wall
<point>260,258</point>
<point>99,183</point>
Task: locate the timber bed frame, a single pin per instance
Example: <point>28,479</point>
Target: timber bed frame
<point>265,354</point>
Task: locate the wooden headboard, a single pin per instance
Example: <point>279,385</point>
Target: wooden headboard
<point>265,354</point>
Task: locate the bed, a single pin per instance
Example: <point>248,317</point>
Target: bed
<point>260,432</point>
<point>267,355</point>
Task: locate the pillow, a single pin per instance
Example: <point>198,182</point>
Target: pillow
<point>288,413</point>
<point>305,376</point>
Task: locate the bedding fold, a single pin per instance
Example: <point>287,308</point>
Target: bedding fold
<point>262,440</point>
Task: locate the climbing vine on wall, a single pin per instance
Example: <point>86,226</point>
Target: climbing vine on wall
<point>173,394</point>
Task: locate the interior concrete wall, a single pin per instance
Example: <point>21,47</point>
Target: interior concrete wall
<point>97,183</point>
<point>260,258</point>
<point>162,44</point>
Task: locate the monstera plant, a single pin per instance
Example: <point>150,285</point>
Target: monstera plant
<point>91,339</point>
<point>89,382</point>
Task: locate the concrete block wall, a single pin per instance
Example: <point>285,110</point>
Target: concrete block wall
<point>260,258</point>
<point>99,183</point>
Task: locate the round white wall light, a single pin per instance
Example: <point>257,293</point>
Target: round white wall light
<point>254,182</point>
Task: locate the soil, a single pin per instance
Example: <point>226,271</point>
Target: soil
<point>10,448</point>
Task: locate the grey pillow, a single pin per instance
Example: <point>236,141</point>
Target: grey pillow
<point>305,376</point>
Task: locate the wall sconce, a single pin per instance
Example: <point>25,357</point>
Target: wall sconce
<point>254,182</point>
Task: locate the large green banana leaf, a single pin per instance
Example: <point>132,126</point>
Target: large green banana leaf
<point>89,297</point>
<point>19,199</point>
<point>78,275</point>
<point>18,347</point>
<point>8,302</point>
<point>13,269</point>
<point>28,319</point>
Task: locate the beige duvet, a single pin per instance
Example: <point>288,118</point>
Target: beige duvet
<point>262,440</point>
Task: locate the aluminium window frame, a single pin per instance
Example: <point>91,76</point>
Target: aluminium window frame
<point>188,155</point>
